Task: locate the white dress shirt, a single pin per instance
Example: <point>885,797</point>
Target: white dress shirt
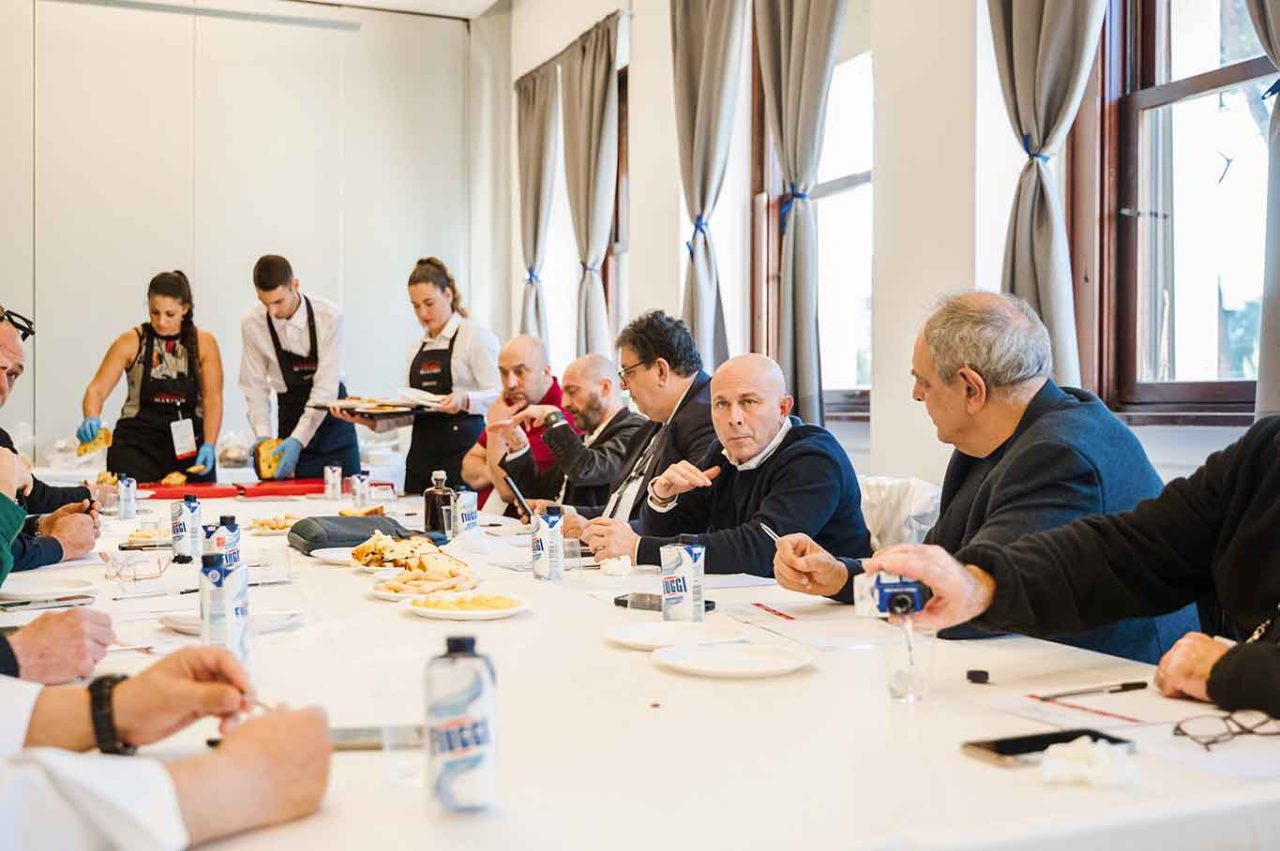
<point>474,364</point>
<point>260,373</point>
<point>51,798</point>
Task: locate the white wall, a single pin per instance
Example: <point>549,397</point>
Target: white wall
<point>167,140</point>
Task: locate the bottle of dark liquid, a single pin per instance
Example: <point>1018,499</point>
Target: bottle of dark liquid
<point>435,500</point>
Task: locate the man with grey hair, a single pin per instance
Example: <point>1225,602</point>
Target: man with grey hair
<point>1029,456</point>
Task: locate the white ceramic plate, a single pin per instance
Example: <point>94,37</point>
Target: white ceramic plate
<point>518,531</point>
<point>650,635</point>
<point>260,623</point>
<point>20,587</point>
<point>497,521</point>
<point>733,661</point>
<point>457,615</point>
<point>333,555</point>
<point>391,596</point>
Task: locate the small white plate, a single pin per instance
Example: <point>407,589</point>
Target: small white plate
<point>496,521</point>
<point>391,596</point>
<point>21,587</point>
<point>268,533</point>
<point>383,573</point>
<point>733,661</point>
<point>333,555</point>
<point>520,531</point>
<point>650,635</point>
<point>145,494</point>
<point>480,615</point>
<point>260,623</point>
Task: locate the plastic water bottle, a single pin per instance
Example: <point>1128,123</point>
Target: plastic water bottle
<point>683,567</point>
<point>462,767</point>
<point>548,545</point>
<point>224,590</point>
<point>126,498</point>
<point>185,516</point>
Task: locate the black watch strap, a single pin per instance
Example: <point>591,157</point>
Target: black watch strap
<point>105,734</point>
<point>553,418</point>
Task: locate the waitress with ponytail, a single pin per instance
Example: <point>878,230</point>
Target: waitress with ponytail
<point>457,359</point>
<point>173,410</point>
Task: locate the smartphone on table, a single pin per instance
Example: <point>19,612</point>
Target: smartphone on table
<point>1027,750</point>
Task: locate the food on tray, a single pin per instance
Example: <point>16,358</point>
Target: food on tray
<point>102,441</point>
<point>416,582</point>
<point>174,479</point>
<point>385,551</point>
<point>274,524</point>
<point>264,462</point>
<point>149,536</point>
<point>367,511</point>
<point>106,477</point>
<point>197,470</point>
<point>467,603</point>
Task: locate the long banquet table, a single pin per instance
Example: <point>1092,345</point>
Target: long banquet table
<point>599,748</point>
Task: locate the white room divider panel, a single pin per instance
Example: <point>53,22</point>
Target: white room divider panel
<point>113,190</point>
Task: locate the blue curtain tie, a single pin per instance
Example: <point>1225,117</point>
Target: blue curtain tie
<point>533,276</point>
<point>699,227</point>
<point>1273,91</point>
<point>586,268</point>
<point>792,197</point>
<point>1026,146</point>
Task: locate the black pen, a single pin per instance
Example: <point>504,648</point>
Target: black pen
<point>251,585</point>
<point>1114,688</point>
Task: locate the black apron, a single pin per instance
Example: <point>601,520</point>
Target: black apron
<point>439,440</point>
<point>142,446</point>
<point>334,443</point>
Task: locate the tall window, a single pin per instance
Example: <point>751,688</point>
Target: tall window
<point>1181,225</point>
<point>843,200</point>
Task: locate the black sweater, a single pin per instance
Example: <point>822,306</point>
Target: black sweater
<point>807,485</point>
<point>1216,531</point>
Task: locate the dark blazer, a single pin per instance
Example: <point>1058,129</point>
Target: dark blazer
<point>29,549</point>
<point>1069,458</point>
<point>587,472</point>
<point>689,435</point>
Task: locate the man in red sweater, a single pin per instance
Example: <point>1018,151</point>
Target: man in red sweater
<point>526,380</point>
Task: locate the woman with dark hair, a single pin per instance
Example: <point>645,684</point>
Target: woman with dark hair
<point>173,372</point>
<point>456,359</point>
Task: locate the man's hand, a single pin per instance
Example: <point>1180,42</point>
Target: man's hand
<point>573,525</point>
<point>960,592</point>
<point>48,522</point>
<point>682,477</point>
<point>539,506</point>
<point>77,532</point>
<point>608,538</point>
<point>14,476</point>
<point>801,565</point>
<point>271,769</point>
<point>1184,670</point>
<point>61,646</point>
<point>534,415</point>
<point>179,689</point>
<point>347,416</point>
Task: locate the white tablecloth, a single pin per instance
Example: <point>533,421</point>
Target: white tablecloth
<point>600,749</point>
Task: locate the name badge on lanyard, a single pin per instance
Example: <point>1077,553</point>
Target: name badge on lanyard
<point>184,438</point>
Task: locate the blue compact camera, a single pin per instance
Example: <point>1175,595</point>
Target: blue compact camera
<point>897,596</point>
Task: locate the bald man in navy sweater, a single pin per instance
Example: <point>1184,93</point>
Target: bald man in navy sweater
<point>767,469</point>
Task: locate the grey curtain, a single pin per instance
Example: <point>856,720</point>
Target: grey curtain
<point>707,40</point>
<point>1266,20</point>
<point>1044,50</point>
<point>590,90</point>
<point>537,146</point>
<point>797,46</point>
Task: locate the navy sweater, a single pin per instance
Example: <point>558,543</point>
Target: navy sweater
<point>807,485</point>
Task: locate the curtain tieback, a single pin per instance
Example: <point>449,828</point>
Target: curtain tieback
<point>1273,91</point>
<point>533,277</point>
<point>586,268</point>
<point>1026,146</point>
<point>792,197</point>
<point>699,227</point>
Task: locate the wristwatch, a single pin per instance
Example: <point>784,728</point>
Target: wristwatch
<point>105,734</point>
<point>552,418</point>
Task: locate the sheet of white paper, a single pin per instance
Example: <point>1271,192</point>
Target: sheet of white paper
<point>1241,758</point>
<point>821,624</point>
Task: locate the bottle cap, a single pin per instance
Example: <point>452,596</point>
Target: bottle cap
<point>686,539</point>
<point>977,676</point>
<point>460,644</point>
<point>188,496</point>
<point>227,520</point>
<point>438,474</point>
<point>553,509</point>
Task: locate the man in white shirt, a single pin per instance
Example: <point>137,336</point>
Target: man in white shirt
<point>292,347</point>
<point>270,769</point>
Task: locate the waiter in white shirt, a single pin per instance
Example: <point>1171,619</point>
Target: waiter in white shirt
<point>292,347</point>
<point>456,359</point>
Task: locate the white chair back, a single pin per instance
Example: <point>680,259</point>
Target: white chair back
<point>898,511</point>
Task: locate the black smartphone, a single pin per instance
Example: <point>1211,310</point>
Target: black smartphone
<point>651,602</point>
<point>1027,750</point>
<point>520,500</point>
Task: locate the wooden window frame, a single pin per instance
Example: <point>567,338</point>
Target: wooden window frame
<point>1102,180</point>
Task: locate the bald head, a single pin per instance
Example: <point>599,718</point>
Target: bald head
<point>591,391</point>
<point>525,372</point>
<point>749,404</point>
<point>13,358</point>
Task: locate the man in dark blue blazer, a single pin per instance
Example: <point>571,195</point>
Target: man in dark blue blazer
<point>1029,456</point>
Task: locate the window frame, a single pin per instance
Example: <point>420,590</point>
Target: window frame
<point>1102,187</point>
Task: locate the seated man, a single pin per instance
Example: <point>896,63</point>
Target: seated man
<point>585,467</point>
<point>662,369</point>
<point>270,769</point>
<point>69,525</point>
<point>768,469</point>
<point>1217,530</point>
<point>526,380</point>
<point>1028,455</point>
